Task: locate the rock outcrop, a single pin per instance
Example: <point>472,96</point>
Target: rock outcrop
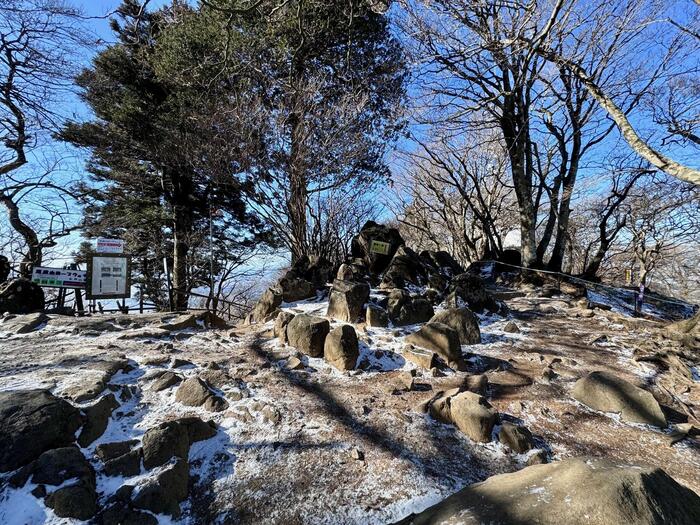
<point>593,491</point>
<point>308,334</point>
<point>361,245</point>
<point>439,338</point>
<point>33,421</point>
<point>21,296</point>
<point>608,393</point>
<point>405,309</point>
<point>461,320</point>
<point>347,300</point>
<point>341,347</point>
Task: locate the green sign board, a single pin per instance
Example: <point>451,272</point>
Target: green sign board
<point>380,247</point>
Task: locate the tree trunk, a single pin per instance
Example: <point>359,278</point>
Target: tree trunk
<point>522,182</point>
<point>557,258</point>
<point>33,256</point>
<point>298,191</point>
<point>181,230</point>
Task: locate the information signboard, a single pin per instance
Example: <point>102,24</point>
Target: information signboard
<point>109,245</point>
<point>108,276</point>
<point>58,277</point>
<point>380,247</point>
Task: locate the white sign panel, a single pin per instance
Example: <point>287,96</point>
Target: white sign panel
<point>109,245</point>
<point>58,277</point>
<point>109,277</point>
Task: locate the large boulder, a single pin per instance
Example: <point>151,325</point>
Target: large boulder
<point>405,268</point>
<point>163,494</point>
<point>686,331</point>
<point>167,440</point>
<point>439,338</point>
<point>608,393</point>
<point>376,316</point>
<point>33,421</point>
<point>69,470</point>
<point>468,289</point>
<point>308,334</point>
<point>301,281</point>
<point>473,415</point>
<point>515,437</point>
<point>361,246</point>
<point>404,309</point>
<point>266,306</point>
<point>590,491</point>
<point>341,347</point>
<point>441,261</point>
<point>21,296</point>
<point>347,300</point>
<point>96,419</point>
<point>280,328</point>
<point>195,392</point>
<point>463,321</point>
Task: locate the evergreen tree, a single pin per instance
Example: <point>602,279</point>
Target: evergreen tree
<point>156,172</point>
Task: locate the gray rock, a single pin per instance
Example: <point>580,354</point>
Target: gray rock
<point>420,356</point>
<point>341,348</point>
<point>467,289</point>
<point>167,440</point>
<point>404,309</point>
<point>590,491</point>
<point>308,334</point>
<point>56,466</point>
<point>439,338</point>
<point>21,296</point>
<point>511,328</point>
<point>347,300</point>
<point>128,464</point>
<point>121,514</point>
<point>166,380</point>
<point>280,328</point>
<point>473,415</point>
<point>33,421</point>
<point>107,451</point>
<point>515,437</point>
<point>180,322</point>
<point>77,501</point>
<point>96,419</point>
<point>608,393</point>
<point>376,316</point>
<point>194,392</point>
<point>163,495</point>
<point>268,303</point>
<point>463,321</point>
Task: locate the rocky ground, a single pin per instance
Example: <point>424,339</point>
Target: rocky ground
<point>298,441</point>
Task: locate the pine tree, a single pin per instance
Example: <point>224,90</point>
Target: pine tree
<point>156,172</point>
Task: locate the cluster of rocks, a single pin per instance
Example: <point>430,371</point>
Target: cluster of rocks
<point>38,444</point>
<point>408,287</point>
<point>466,408</point>
<point>409,284</point>
<point>313,336</point>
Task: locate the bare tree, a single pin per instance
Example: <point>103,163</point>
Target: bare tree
<point>38,39</point>
<point>454,196</point>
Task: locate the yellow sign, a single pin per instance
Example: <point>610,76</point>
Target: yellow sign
<point>380,247</point>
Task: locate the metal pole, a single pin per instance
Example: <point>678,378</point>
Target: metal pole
<point>211,256</point>
<point>167,282</point>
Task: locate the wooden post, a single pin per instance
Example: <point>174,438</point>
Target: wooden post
<point>79,302</point>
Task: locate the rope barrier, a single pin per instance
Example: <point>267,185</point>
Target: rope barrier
<point>587,283</point>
